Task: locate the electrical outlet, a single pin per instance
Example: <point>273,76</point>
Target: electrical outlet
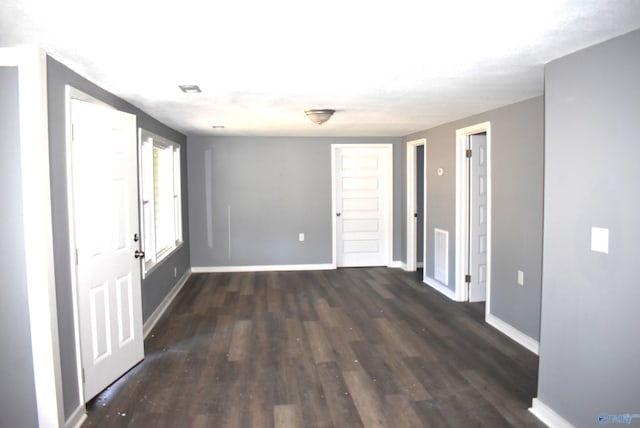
<point>520,277</point>
<point>301,237</point>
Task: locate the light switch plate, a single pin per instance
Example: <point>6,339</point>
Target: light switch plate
<point>600,240</point>
<point>301,237</point>
<point>520,277</point>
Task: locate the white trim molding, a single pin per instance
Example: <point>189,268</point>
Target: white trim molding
<point>462,211</point>
<point>412,201</point>
<point>547,415</point>
<point>261,268</point>
<point>164,305</point>
<point>527,341</point>
<point>77,418</point>
<point>440,288</point>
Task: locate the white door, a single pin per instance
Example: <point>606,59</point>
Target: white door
<point>362,201</point>
<point>478,218</point>
<point>106,227</point>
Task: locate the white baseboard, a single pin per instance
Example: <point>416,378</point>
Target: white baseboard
<point>547,415</point>
<point>398,264</point>
<point>405,266</point>
<point>162,307</point>
<point>263,268</point>
<point>528,342</point>
<point>77,418</point>
<point>439,287</point>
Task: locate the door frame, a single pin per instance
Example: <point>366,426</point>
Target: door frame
<point>462,211</point>
<point>334,229</point>
<point>412,201</point>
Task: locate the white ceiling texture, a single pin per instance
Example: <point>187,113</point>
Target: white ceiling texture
<point>389,68</point>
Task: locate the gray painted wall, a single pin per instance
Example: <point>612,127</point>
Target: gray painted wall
<point>517,208</point>
<point>17,392</point>
<point>589,348</point>
<point>157,285</point>
<point>274,188</point>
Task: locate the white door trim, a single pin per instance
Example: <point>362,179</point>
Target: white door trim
<point>412,202</point>
<point>38,235</point>
<point>462,210</point>
<point>334,148</point>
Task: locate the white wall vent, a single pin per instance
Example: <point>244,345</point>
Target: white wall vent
<point>441,256</point>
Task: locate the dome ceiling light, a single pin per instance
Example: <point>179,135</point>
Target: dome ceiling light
<point>319,116</point>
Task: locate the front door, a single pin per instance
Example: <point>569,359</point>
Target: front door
<point>104,169</point>
<point>362,201</point>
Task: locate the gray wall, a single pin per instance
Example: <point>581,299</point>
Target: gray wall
<point>156,286</point>
<point>517,192</point>
<point>17,392</point>
<point>275,188</point>
<point>589,348</point>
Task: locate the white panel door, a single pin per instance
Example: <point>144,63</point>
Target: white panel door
<point>106,219</point>
<point>362,202</point>
<point>478,218</point>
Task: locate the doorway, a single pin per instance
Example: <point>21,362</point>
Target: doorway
<point>104,226</point>
<point>362,204</point>
<point>473,213</point>
<point>416,203</point>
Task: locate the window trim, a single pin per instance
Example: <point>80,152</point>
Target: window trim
<point>147,141</point>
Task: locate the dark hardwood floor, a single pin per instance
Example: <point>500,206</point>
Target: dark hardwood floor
<point>346,348</point>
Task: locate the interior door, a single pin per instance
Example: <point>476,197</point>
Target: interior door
<point>362,202</point>
<point>106,226</point>
<point>478,218</point>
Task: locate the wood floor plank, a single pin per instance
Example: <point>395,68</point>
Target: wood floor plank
<point>339,401</point>
<point>365,398</point>
<point>374,365</point>
<point>286,416</point>
<point>239,348</point>
<point>340,348</point>
<point>320,346</point>
<point>380,289</point>
<point>392,334</point>
<point>400,413</point>
<point>409,385</point>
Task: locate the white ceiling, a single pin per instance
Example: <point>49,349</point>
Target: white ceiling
<point>389,68</point>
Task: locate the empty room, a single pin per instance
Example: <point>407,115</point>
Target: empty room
<point>277,214</point>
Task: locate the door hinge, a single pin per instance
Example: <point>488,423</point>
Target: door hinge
<point>83,381</point>
<point>76,257</point>
<point>467,278</point>
<point>73,133</point>
<point>468,153</point>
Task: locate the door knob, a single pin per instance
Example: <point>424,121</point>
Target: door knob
<point>138,254</point>
<point>338,214</point>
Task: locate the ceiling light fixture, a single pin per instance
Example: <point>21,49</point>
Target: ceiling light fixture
<point>217,126</point>
<point>190,89</point>
<point>319,116</point>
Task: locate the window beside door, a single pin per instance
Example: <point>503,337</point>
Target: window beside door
<point>160,198</point>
